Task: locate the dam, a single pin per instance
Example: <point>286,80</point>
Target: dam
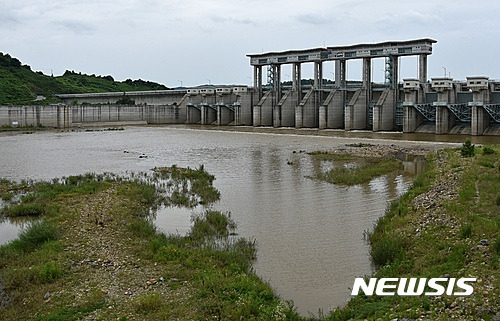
<point>437,106</point>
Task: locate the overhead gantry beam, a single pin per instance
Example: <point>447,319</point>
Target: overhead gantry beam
<point>374,50</point>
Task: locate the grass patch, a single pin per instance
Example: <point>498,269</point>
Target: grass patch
<point>49,272</point>
<point>368,169</point>
<point>24,209</point>
<point>34,236</point>
<point>149,303</point>
<point>187,186</point>
<point>466,231</point>
<point>387,249</point>
<point>487,150</point>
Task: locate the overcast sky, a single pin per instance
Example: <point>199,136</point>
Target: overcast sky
<point>195,42</point>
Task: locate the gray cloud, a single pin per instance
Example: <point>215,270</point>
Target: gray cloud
<point>76,27</point>
<point>312,19</point>
<point>233,20</point>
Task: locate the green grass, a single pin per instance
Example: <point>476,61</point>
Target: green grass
<point>49,272</point>
<point>210,263</point>
<point>33,236</point>
<point>363,170</point>
<point>440,248</point>
<point>149,303</point>
<point>24,209</point>
<point>187,186</point>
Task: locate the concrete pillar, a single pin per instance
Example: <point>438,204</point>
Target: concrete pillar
<point>256,115</point>
<point>444,118</point>
<point>322,116</point>
<point>340,73</point>
<point>318,74</point>
<point>480,119</point>
<point>257,81</point>
<point>445,96</point>
<point>367,82</point>
<point>294,78</point>
<point>480,96</point>
<point>203,120</point>
<point>297,78</point>
<point>277,82</point>
<point>367,73</point>
<point>225,116</point>
<point>412,119</point>
<point>422,68</point>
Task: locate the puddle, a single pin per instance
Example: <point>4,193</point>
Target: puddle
<point>175,220</point>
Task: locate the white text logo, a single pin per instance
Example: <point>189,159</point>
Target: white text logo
<point>414,286</point>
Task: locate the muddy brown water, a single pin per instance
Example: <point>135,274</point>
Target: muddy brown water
<point>309,233</point>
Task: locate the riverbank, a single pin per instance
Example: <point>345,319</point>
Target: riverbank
<point>445,226</point>
<point>208,291</point>
<point>93,254</point>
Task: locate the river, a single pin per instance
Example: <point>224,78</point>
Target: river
<point>309,234</point>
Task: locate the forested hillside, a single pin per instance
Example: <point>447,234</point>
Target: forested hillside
<point>20,85</point>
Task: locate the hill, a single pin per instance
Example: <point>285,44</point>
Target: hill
<point>21,85</point>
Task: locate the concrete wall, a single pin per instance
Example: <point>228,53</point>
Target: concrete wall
<point>412,119</point>
<point>225,116</point>
<point>160,97</point>
<point>47,116</point>
<point>243,111</point>
<point>307,111</point>
<point>356,111</point>
<point>263,111</point>
<point>445,119</point>
<point>383,111</point>
<point>63,116</point>
<point>169,114</point>
<point>331,112</point>
<point>208,115</point>
<point>285,111</point>
<point>480,120</point>
<point>193,115</point>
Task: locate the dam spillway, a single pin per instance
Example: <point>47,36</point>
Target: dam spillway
<point>439,105</point>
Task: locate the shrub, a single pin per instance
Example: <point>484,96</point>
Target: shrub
<point>25,209</point>
<point>465,231</point>
<point>35,235</point>
<point>386,250</point>
<point>125,101</point>
<point>467,149</point>
<point>488,150</point>
<point>212,224</point>
<point>49,272</point>
<point>149,303</point>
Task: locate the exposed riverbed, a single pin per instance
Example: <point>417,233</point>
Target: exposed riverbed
<point>309,233</point>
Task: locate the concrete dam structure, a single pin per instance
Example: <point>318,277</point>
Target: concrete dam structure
<point>417,105</point>
<point>440,106</point>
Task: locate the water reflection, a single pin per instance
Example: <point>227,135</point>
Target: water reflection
<point>175,220</point>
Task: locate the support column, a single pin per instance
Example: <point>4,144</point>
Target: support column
<point>257,81</point>
<point>277,82</point>
<point>367,73</point>
<point>422,68</point>
<point>367,85</point>
<point>480,119</point>
<point>294,78</point>
<point>318,74</point>
<point>340,71</point>
<point>297,69</point>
